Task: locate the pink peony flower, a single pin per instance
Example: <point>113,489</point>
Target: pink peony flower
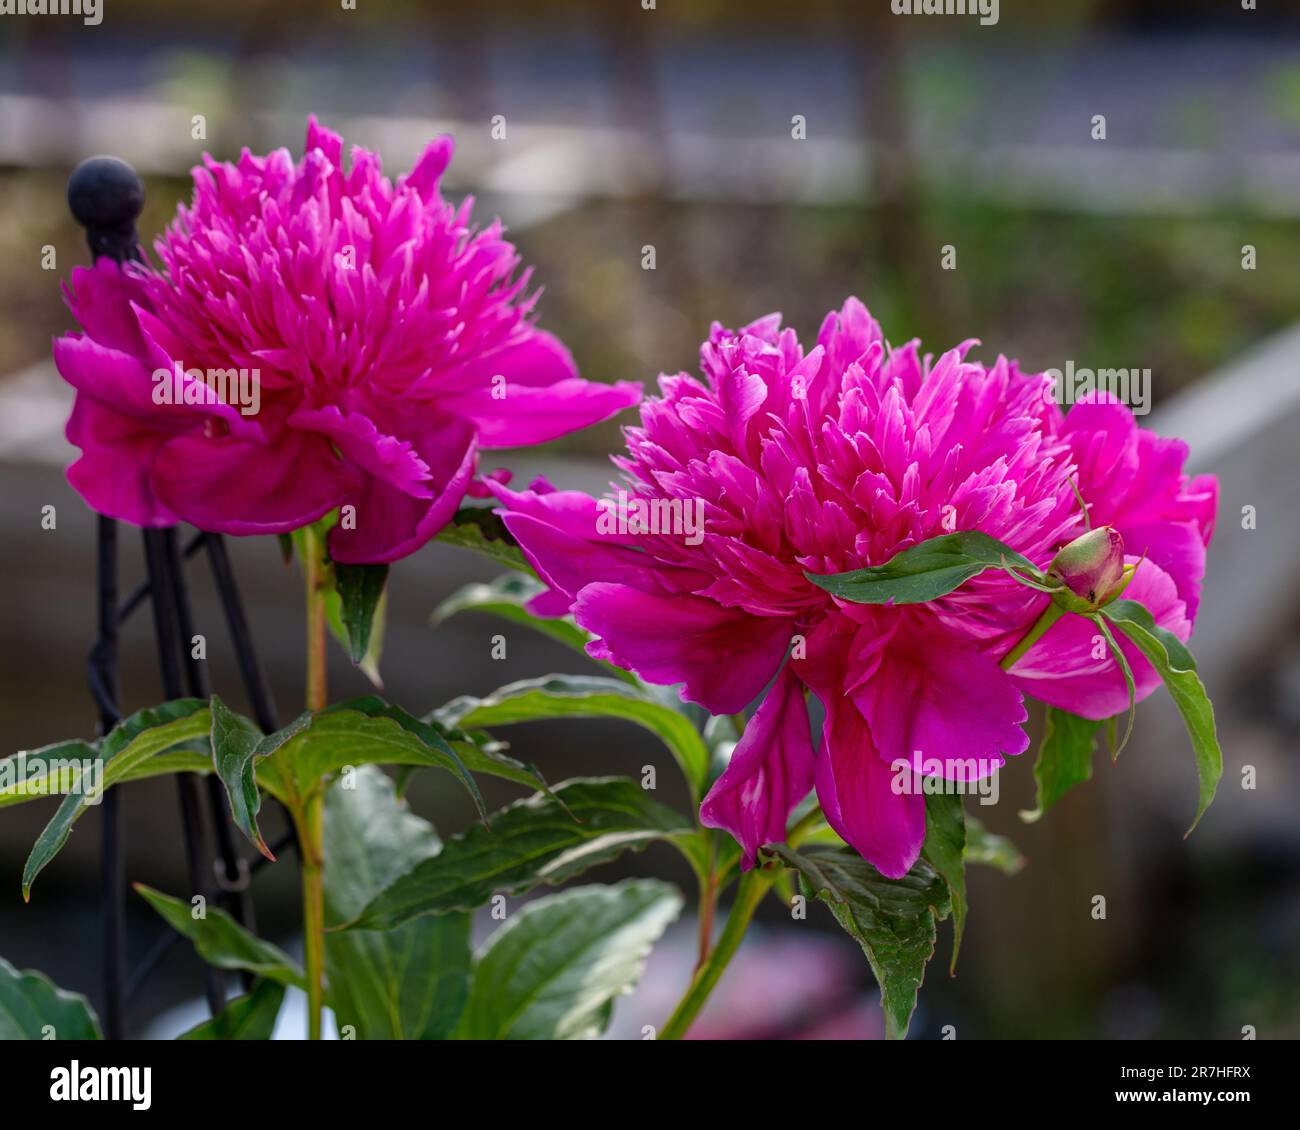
<point>390,339</point>
<point>832,460</point>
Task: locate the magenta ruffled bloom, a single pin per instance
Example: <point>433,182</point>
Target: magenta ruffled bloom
<point>390,337</point>
<point>831,460</point>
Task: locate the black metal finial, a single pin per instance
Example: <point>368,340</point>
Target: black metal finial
<point>106,196</point>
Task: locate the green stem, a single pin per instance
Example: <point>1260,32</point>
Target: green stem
<point>1051,614</point>
<point>312,841</point>
<point>309,813</point>
<point>749,893</point>
<point>317,578</point>
<point>708,907</point>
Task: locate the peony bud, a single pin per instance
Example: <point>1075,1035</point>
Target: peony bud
<point>1091,567</point>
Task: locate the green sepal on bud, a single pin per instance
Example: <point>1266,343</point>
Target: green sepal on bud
<point>1090,571</point>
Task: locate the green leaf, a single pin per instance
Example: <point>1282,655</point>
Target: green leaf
<point>553,970</point>
<point>356,599</point>
<point>983,846</point>
<point>1122,661</point>
<point>480,530</point>
<point>945,848</point>
<point>893,920</point>
<point>127,747</point>
<point>56,769</point>
<point>924,572</point>
<point>30,1003</point>
<point>410,983</point>
<point>1064,758</point>
<point>1175,665</point>
<point>590,696</point>
<point>52,770</point>
<point>360,588</point>
<point>223,942</point>
<point>543,840</point>
<point>507,598</point>
<point>250,1017</point>
<point>179,760</point>
<point>481,754</point>
<point>369,663</point>
<point>365,731</point>
<point>236,747</point>
<point>147,732</point>
<point>483,757</point>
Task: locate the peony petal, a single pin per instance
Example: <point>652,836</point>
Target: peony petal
<point>770,771</point>
<point>100,298</point>
<point>542,397</point>
<point>119,381</point>
<point>935,699</point>
<point>724,657</point>
<point>858,794</point>
<point>322,138</point>
<point>230,486</point>
<point>540,360</point>
<point>1200,504</point>
<point>525,416</point>
<point>571,511</point>
<point>567,563</point>
<point>429,167</point>
<point>391,460</point>
<point>1178,548</point>
<point>113,473</point>
<point>550,604</point>
<point>389,522</point>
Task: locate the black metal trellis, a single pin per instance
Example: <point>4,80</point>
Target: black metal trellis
<point>106,197</point>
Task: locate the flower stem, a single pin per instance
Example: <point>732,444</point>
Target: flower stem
<point>749,893</point>
<point>309,813</point>
<point>317,578</point>
<point>312,840</point>
<point>1051,614</point>
<point>708,905</point>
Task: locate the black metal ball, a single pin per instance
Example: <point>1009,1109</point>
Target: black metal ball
<point>105,193</point>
